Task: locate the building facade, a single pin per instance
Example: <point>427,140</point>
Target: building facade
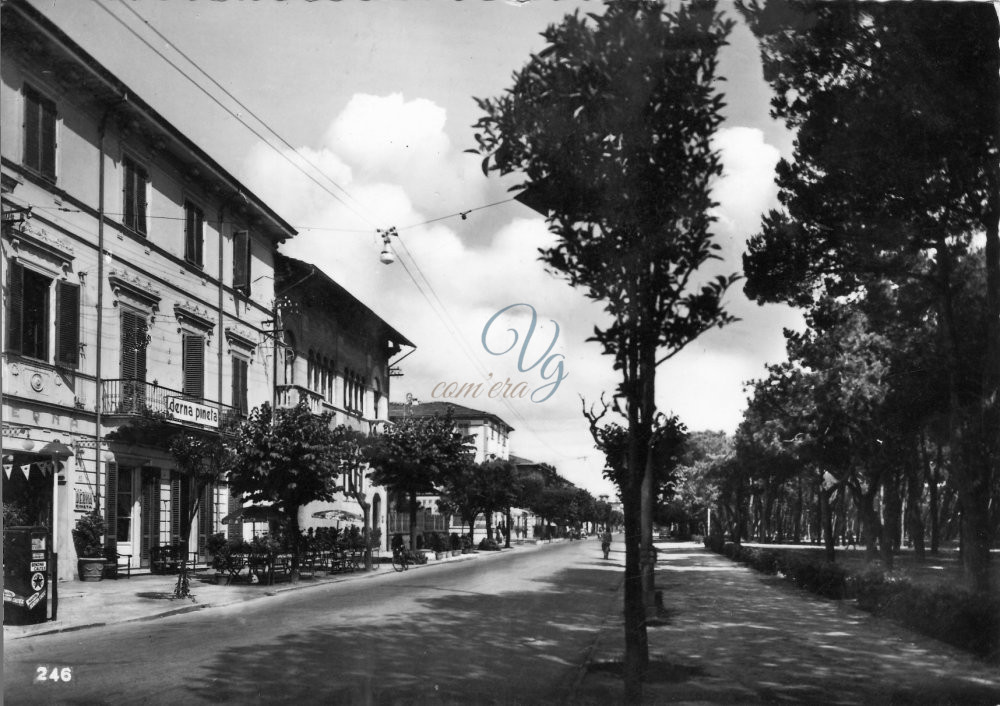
<point>335,355</point>
<point>488,435</point>
<point>138,285</point>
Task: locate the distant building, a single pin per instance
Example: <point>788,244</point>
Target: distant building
<point>491,434</point>
<point>490,437</point>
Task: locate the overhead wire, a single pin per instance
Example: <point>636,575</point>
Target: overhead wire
<point>446,319</point>
<point>231,112</point>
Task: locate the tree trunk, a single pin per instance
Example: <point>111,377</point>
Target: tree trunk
<point>914,495</point>
<point>414,506</point>
<point>829,543</point>
<point>636,645</point>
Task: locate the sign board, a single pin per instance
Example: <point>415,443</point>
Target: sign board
<point>184,410</point>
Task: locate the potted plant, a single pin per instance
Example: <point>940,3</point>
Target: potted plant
<point>89,548</point>
<point>456,544</point>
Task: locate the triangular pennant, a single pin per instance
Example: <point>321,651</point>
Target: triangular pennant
<point>26,470</point>
<point>8,468</point>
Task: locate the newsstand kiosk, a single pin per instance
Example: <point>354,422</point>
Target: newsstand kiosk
<point>25,575</point>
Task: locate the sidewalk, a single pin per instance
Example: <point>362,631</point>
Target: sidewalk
<point>148,597</point>
<point>733,636</point>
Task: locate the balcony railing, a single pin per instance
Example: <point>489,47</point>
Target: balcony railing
<point>135,398</point>
<point>289,396</point>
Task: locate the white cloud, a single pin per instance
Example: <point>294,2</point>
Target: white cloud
<point>393,158</point>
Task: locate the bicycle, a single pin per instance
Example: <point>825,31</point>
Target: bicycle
<point>400,559</point>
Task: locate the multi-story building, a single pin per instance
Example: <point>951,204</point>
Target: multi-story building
<point>138,284</point>
<point>335,356</point>
<point>488,435</point>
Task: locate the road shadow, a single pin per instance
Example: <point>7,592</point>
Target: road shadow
<point>759,640</point>
<point>455,647</point>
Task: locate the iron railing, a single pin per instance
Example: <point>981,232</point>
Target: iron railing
<point>134,398</point>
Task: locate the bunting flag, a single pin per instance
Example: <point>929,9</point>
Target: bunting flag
<point>26,470</point>
<point>8,468</point>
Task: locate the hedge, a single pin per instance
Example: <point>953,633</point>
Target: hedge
<point>959,617</point>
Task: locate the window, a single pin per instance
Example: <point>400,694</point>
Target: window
<point>29,323</point>
<point>134,206</point>
<point>123,512</point>
<point>134,340</point>
<point>194,233</point>
<point>39,133</point>
<point>241,262</point>
<point>194,365</point>
<point>240,369</point>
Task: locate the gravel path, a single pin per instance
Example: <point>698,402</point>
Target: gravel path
<point>734,636</point>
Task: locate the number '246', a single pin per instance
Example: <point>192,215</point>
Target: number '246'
<point>44,673</point>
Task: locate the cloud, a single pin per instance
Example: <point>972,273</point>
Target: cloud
<point>746,189</point>
<point>393,164</point>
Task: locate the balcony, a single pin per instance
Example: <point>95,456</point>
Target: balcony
<point>136,398</point>
<point>289,396</point>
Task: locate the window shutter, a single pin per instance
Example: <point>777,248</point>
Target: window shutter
<point>140,200</point>
<point>241,261</point>
<point>67,324</point>
<point>205,521</point>
<point>175,507</point>
<point>47,139</point>
<point>194,366</point>
<point>15,314</point>
<point>150,514</point>
<point>128,192</point>
<point>239,397</point>
<point>111,507</point>
<point>31,129</point>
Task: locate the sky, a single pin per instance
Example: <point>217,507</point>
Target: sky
<point>380,97</point>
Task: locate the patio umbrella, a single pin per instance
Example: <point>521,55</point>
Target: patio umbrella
<point>338,515</point>
<point>253,513</point>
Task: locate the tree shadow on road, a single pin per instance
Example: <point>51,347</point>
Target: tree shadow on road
<point>506,647</point>
<point>760,640</point>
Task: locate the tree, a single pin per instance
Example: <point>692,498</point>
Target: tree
<point>611,126</point>
<point>286,459</point>
<point>896,108</point>
<point>203,460</point>
<point>414,455</point>
<point>348,449</point>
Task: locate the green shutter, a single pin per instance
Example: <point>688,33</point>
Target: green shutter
<point>15,314</point>
<point>67,324</point>
<point>194,366</point>
<point>175,506</point>
<point>111,507</point>
<point>241,261</point>
<point>47,139</point>
<point>31,129</point>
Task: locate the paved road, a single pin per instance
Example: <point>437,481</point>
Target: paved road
<point>514,628</point>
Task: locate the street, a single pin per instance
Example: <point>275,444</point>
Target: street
<point>513,628</point>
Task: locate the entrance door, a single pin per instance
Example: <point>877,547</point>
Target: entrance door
<point>150,514</point>
<point>125,510</point>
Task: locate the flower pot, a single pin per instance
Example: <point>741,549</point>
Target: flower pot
<point>440,555</point>
<point>90,568</point>
<point>456,552</point>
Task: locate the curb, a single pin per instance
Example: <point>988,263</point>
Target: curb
<point>581,672</point>
<point>245,599</point>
